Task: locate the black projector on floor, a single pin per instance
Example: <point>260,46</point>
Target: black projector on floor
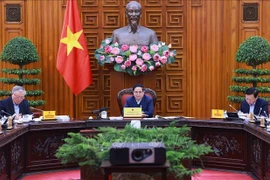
<point>138,153</point>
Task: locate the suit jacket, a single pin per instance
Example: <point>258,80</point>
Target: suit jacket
<point>143,36</point>
<point>8,106</point>
<point>146,103</point>
<point>260,103</point>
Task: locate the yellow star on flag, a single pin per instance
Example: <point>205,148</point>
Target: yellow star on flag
<point>72,40</point>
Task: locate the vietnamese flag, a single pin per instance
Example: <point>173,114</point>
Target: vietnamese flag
<point>73,60</point>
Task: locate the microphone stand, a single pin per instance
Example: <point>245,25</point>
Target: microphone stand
<point>260,112</point>
<point>257,116</point>
<point>97,112</point>
<point>4,125</point>
<point>265,114</point>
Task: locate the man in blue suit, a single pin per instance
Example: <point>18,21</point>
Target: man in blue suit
<point>254,104</point>
<point>139,99</point>
<point>16,103</point>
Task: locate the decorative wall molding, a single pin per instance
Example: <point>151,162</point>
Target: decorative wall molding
<point>250,12</point>
<point>196,3</point>
<point>13,13</point>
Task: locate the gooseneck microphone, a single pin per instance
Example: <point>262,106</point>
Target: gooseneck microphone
<point>265,114</point>
<point>6,118</point>
<point>100,110</point>
<point>6,113</point>
<point>260,112</point>
<point>233,108</point>
<point>5,122</point>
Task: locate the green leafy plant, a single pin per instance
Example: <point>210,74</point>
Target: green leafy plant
<point>254,52</point>
<point>21,51</point>
<point>92,151</point>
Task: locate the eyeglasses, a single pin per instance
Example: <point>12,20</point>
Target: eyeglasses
<point>18,97</point>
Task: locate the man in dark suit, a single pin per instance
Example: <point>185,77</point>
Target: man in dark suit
<point>16,103</point>
<point>139,99</point>
<point>254,104</point>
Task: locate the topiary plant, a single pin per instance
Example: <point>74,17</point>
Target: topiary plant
<point>254,51</point>
<point>21,51</point>
<point>92,151</point>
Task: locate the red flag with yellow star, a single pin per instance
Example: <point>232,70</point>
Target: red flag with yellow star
<point>73,60</point>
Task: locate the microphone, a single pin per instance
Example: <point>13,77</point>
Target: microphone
<point>260,112</point>
<point>233,107</point>
<point>5,122</point>
<point>6,113</point>
<point>257,116</point>
<point>100,110</point>
<point>6,118</point>
<point>265,114</point>
<point>4,125</point>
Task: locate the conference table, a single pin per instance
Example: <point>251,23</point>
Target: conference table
<point>237,145</point>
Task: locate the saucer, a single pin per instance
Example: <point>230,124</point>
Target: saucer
<point>19,121</point>
<point>25,120</point>
<point>37,119</point>
<point>116,118</point>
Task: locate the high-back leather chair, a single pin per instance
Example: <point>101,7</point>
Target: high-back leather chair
<point>125,93</point>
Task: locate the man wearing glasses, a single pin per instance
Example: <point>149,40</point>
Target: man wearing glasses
<point>16,103</point>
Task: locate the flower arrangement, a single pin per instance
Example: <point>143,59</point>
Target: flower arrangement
<point>133,59</point>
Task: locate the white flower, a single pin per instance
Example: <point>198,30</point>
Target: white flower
<point>107,41</point>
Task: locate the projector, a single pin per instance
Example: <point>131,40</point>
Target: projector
<point>137,153</point>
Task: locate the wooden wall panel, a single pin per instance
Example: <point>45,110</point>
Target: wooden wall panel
<point>205,33</point>
<point>10,30</point>
<point>167,19</point>
<point>205,57</point>
<point>230,44</point>
<point>42,24</point>
<point>57,93</point>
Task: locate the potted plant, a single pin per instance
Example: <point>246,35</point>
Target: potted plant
<point>21,51</point>
<point>254,52</point>
<point>92,151</point>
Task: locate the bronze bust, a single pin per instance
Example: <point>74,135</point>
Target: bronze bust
<point>133,33</point>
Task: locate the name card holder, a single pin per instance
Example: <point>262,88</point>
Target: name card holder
<point>132,112</point>
<point>217,114</point>
<point>49,115</point>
